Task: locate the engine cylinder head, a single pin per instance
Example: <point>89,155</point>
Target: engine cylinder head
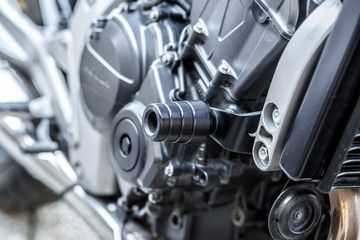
<point>183,121</point>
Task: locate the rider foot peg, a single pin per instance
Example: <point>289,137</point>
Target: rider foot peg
<point>183,121</point>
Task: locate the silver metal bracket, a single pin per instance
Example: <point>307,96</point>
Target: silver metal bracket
<point>290,82</point>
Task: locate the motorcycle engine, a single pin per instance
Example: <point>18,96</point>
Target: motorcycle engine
<point>179,87</point>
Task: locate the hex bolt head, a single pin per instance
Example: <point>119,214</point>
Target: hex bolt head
<point>276,116</point>
<point>224,68</point>
<point>125,145</point>
<point>199,27</point>
<point>169,170</point>
<point>263,154</point>
<point>166,58</point>
<point>154,15</point>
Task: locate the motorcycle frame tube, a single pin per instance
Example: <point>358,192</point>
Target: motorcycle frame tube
<point>54,170</point>
<point>51,168</point>
<point>30,47</point>
<point>43,70</point>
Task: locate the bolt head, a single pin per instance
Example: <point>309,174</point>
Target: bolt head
<point>169,170</point>
<point>199,27</point>
<point>153,197</point>
<point>125,145</point>
<point>111,207</point>
<point>224,68</point>
<point>166,58</point>
<point>276,116</point>
<point>263,153</point>
<point>154,15</point>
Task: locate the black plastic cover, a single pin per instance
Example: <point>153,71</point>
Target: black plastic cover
<point>238,36</point>
<point>110,71</point>
<point>329,116</point>
<point>118,54</point>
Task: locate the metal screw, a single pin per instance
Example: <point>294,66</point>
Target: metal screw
<point>276,116</point>
<point>166,58</point>
<point>169,170</point>
<point>224,68</point>
<point>125,145</point>
<point>263,153</point>
<point>153,197</point>
<point>123,7</point>
<point>199,27</point>
<point>111,207</point>
<point>154,15</point>
<point>238,216</point>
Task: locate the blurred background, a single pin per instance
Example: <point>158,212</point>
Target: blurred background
<point>51,221</point>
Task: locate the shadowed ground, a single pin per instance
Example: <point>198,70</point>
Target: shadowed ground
<point>52,221</point>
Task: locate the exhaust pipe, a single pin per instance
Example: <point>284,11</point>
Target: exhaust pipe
<point>345,214</point>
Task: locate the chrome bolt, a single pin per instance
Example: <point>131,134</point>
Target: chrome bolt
<point>123,7</point>
<point>111,207</point>
<point>224,68</point>
<point>154,15</point>
<point>199,27</point>
<point>169,170</point>
<point>263,153</point>
<point>276,116</point>
<point>166,58</point>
